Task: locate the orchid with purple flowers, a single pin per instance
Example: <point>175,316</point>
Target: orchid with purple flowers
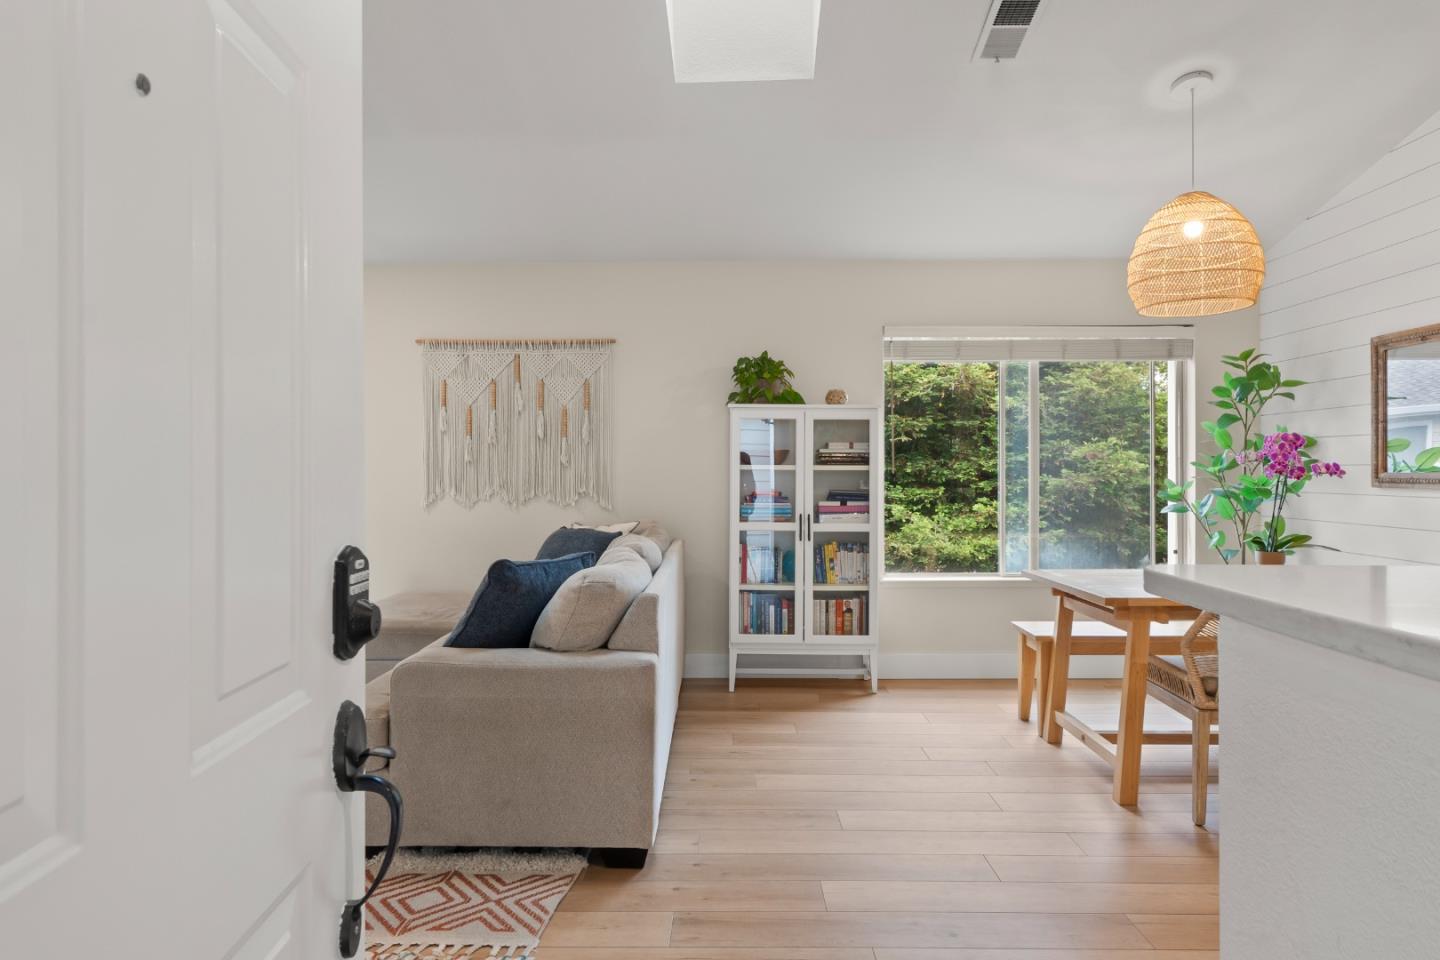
<point>1288,467</point>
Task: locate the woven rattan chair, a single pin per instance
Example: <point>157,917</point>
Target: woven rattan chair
<point>1190,685</point>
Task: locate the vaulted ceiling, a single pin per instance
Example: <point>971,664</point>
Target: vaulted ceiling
<point>555,130</point>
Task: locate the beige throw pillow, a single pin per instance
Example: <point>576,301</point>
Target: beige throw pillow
<point>627,527</point>
<point>652,530</point>
<point>647,548</point>
<point>590,604</point>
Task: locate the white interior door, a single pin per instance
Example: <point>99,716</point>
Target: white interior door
<point>180,461</point>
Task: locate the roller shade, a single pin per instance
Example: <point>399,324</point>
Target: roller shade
<point>982,349</point>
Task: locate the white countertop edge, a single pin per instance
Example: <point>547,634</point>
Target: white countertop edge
<point>1389,646</point>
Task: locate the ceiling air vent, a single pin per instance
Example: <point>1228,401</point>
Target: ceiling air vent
<point>1006,25</point>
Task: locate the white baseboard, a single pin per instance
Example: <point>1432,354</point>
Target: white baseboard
<point>910,666</point>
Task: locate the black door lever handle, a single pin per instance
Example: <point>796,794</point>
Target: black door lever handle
<point>350,753</point>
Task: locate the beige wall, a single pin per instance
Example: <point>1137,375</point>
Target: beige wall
<point>680,327</point>
<point>1366,263</point>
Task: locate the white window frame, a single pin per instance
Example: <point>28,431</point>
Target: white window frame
<point>1179,533</point>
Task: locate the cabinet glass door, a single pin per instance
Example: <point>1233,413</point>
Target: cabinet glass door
<point>840,563</point>
<point>768,500</point>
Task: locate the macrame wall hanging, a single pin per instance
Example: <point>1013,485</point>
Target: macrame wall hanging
<point>512,420</point>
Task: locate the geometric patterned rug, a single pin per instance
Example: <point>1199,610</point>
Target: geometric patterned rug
<point>451,906</point>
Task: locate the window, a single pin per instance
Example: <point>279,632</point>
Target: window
<point>1005,453</point>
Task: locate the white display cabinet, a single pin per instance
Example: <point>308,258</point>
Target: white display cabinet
<point>806,536</point>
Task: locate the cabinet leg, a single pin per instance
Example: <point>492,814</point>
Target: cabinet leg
<point>874,662</point>
<point>733,658</point>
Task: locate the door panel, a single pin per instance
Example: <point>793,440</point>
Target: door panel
<point>842,484</point>
<point>256,175</point>
<point>767,500</point>
<point>273,935</point>
<point>184,392</point>
<point>249,441</point>
<point>38,711</point>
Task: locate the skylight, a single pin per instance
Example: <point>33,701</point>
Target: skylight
<point>722,41</point>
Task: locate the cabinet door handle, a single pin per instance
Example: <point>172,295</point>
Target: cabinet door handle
<point>351,750</point>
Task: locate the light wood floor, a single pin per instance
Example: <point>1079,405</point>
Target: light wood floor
<point>815,821</point>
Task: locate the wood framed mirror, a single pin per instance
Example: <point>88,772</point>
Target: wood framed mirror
<point>1405,407</point>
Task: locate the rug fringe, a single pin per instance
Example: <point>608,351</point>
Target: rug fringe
<point>435,951</point>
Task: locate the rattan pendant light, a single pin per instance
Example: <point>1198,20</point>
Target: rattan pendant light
<point>1198,255</point>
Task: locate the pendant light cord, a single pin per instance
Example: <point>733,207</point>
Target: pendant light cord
<point>1192,138</point>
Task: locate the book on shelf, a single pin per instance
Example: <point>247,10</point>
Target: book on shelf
<point>852,453</point>
<point>844,506</point>
<point>766,613</point>
<point>842,563</point>
<point>842,616</point>
<point>765,565</point>
<point>767,505</point>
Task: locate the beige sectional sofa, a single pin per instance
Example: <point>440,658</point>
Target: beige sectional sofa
<point>536,748</point>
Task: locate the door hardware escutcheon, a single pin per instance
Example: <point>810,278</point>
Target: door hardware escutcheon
<point>355,621</point>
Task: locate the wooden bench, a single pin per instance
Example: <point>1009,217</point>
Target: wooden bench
<point>1087,638</point>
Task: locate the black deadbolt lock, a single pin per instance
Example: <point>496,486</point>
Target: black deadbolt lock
<point>356,619</point>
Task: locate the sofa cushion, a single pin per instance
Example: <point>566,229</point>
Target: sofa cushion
<point>510,599</point>
<point>589,606</point>
<point>568,540</point>
<point>414,619</point>
<point>644,546</point>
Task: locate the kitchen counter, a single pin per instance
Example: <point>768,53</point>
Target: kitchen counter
<point>1388,615</point>
<point>1329,762</point>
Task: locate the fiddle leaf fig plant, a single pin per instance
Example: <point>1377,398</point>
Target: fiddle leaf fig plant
<point>763,379</point>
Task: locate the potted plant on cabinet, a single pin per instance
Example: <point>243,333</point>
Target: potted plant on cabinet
<point>763,379</point>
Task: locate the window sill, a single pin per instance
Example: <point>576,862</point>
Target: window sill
<point>953,579</point>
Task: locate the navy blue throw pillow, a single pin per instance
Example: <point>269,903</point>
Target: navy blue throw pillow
<point>510,598</point>
<point>569,540</point>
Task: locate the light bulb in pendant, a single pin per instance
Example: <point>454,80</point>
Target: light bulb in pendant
<point>1192,229</point>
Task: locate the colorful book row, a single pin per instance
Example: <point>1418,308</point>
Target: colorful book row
<point>842,617</point>
<point>847,563</point>
<point>766,613</point>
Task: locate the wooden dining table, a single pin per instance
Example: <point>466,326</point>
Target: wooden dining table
<point>1119,598</point>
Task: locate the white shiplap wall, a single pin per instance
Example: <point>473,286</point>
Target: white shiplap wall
<point>1365,263</point>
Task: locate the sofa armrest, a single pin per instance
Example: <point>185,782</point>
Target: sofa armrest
<point>655,621</point>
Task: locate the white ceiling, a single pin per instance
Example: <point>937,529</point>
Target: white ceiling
<point>554,129</point>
